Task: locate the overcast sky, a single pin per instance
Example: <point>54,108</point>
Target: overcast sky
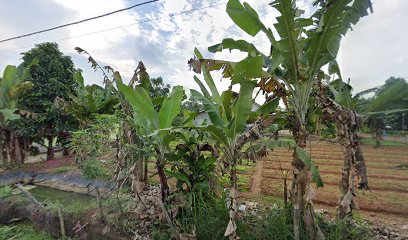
<point>164,39</point>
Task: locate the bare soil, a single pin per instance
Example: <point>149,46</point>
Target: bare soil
<point>383,206</point>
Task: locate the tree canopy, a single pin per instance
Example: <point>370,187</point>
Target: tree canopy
<point>51,74</point>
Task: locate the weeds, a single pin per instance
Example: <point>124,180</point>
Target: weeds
<point>22,231</point>
<point>94,169</point>
<point>276,223</point>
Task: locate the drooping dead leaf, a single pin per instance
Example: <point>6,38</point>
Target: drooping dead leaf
<point>310,193</point>
<point>346,202</point>
<point>231,228</point>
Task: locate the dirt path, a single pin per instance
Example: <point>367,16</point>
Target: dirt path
<point>257,178</point>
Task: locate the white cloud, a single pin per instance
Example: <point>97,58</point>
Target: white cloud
<point>164,39</point>
<point>377,48</point>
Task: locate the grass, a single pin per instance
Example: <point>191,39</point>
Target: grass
<point>5,191</point>
<point>22,231</point>
<point>243,181</point>
<point>384,143</point>
<point>95,169</point>
<point>211,220</point>
<point>63,169</point>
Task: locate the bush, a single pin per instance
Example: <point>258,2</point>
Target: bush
<point>94,169</point>
<point>93,141</point>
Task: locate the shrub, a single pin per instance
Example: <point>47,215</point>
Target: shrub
<point>94,169</point>
<point>93,141</point>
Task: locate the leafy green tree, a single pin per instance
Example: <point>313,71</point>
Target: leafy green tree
<point>158,88</point>
<point>51,74</point>
<point>193,105</point>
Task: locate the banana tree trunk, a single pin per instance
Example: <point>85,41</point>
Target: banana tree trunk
<point>377,138</point>
<point>347,123</point>
<point>137,171</point>
<point>165,190</point>
<point>230,232</point>
<point>18,150</point>
<point>302,193</point>
<point>298,186</point>
<point>23,142</point>
<point>146,174</point>
<point>3,157</point>
<point>345,200</point>
<point>128,137</point>
<point>10,141</point>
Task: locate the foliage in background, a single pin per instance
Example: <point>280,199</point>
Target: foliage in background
<point>193,165</point>
<point>158,89</point>
<point>389,105</point>
<point>94,141</point>
<point>95,169</point>
<point>90,144</point>
<point>90,100</point>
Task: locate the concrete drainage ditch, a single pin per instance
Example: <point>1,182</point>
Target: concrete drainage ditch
<point>62,190</point>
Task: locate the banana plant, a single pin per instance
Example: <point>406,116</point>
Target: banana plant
<point>300,47</point>
<point>348,122</point>
<point>90,100</point>
<point>129,135</point>
<point>12,86</point>
<point>153,124</point>
<point>228,113</point>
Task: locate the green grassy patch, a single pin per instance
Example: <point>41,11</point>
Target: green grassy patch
<point>384,143</point>
<point>22,231</point>
<point>95,169</point>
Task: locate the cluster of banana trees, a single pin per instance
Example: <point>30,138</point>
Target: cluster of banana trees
<point>13,147</point>
<point>152,128</point>
<point>300,48</point>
